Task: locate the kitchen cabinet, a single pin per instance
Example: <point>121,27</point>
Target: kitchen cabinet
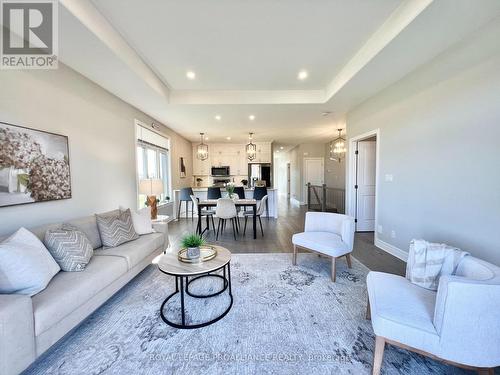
<point>232,155</point>
<point>264,154</point>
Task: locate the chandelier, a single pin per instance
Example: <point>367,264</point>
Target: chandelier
<point>338,147</point>
<point>202,149</point>
<point>251,148</point>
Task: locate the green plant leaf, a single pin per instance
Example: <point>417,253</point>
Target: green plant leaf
<point>192,240</point>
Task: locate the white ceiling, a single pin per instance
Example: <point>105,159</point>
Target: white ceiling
<point>246,45</point>
<point>246,55</point>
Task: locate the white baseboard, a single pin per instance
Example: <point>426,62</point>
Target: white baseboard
<point>393,250</point>
<point>295,202</point>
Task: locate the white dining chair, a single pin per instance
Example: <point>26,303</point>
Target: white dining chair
<point>204,212</point>
<point>226,210</point>
<point>260,211</point>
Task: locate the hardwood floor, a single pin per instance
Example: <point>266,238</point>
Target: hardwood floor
<point>278,238</point>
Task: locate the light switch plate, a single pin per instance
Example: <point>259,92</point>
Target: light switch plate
<point>389,177</point>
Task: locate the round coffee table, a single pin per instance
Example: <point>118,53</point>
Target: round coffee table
<point>171,265</point>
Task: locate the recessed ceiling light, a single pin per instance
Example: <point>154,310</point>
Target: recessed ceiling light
<point>281,148</point>
<point>228,138</point>
<point>302,75</point>
<point>326,113</point>
<point>190,74</point>
<point>251,117</point>
<point>277,151</point>
<point>217,117</point>
<point>206,138</point>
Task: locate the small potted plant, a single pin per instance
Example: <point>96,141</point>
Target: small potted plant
<point>199,181</point>
<point>192,243</point>
<point>244,182</point>
<point>230,190</point>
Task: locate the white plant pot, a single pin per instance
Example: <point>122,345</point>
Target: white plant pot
<point>193,252</point>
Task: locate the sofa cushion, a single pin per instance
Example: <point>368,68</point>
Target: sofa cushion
<point>323,242</point>
<point>116,229</point>
<point>70,248</point>
<point>135,251</point>
<point>69,290</point>
<point>402,311</point>
<point>26,266</point>
<point>88,225</point>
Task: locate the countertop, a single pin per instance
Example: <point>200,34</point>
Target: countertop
<point>222,189</point>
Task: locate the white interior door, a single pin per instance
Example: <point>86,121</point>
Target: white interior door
<point>314,172</point>
<point>366,176</point>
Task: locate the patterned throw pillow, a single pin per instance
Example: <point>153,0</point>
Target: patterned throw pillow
<point>116,229</point>
<point>70,247</point>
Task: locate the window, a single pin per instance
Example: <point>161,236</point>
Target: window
<point>153,161</point>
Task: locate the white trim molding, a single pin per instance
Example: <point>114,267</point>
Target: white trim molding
<point>391,249</point>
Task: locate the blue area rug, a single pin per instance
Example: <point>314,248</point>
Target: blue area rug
<point>285,320</point>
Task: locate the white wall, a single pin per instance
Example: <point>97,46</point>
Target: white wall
<point>439,132</point>
<point>101,132</point>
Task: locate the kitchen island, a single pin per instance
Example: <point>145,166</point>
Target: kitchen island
<point>201,194</point>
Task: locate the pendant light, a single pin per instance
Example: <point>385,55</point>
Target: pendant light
<point>251,148</point>
<point>338,147</point>
<point>202,149</point>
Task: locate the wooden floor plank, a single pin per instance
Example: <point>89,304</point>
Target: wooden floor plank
<point>278,238</point>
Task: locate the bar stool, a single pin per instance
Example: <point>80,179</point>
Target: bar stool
<point>185,196</point>
<point>214,193</point>
<point>260,192</point>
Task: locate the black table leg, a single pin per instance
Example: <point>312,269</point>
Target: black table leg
<point>185,288</point>
<point>198,226</point>
<point>254,221</point>
<point>183,314</point>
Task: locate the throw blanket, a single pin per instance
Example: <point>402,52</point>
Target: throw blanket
<point>427,262</point>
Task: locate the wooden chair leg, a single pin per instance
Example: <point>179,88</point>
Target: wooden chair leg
<point>378,355</point>
<point>334,271</point>
<point>294,258</point>
<point>368,311</point>
<point>485,371</point>
<point>348,258</point>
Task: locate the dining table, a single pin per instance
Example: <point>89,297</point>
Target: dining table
<point>210,203</point>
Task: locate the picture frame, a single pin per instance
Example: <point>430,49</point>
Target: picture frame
<point>182,167</point>
<point>34,166</point>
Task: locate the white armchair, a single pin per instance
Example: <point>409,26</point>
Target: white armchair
<point>328,234</point>
<point>459,324</point>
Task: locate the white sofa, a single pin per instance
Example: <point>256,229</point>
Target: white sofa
<point>31,325</point>
<point>328,234</point>
<point>459,324</point>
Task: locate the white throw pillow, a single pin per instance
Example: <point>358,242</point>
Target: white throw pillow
<point>26,266</point>
<point>142,220</point>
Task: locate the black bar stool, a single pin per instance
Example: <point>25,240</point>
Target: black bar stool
<point>214,193</point>
<point>260,192</point>
<point>185,196</point>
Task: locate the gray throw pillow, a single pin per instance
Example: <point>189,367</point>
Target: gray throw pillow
<point>70,247</point>
<point>116,229</point>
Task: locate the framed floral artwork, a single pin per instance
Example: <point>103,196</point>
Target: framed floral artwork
<point>34,166</point>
